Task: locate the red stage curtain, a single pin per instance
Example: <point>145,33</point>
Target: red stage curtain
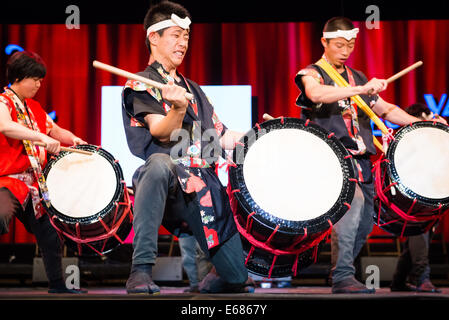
<point>264,55</point>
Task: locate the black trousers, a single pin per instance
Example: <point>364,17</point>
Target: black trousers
<point>160,200</point>
<point>414,260</point>
<point>48,240</point>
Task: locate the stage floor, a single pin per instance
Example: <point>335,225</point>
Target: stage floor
<point>177,293</point>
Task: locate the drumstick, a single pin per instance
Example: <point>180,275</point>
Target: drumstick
<point>40,144</point>
<point>406,70</point>
<point>267,117</point>
<point>132,76</point>
<point>401,73</point>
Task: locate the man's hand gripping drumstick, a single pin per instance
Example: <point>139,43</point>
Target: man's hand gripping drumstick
<point>132,76</point>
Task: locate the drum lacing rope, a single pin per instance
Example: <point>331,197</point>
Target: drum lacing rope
<point>249,224</point>
<point>277,252</point>
<point>110,231</point>
<point>387,138</point>
<point>404,215</point>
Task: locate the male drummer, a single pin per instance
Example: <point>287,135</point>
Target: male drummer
<point>177,186</point>
<point>23,120</point>
<point>330,106</point>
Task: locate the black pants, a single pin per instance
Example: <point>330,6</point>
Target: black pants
<point>160,200</point>
<point>49,243</point>
<point>414,260</point>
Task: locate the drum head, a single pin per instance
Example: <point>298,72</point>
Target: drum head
<point>419,158</point>
<point>81,187</point>
<point>293,175</point>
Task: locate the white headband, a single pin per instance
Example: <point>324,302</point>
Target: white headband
<point>347,34</point>
<point>173,22</point>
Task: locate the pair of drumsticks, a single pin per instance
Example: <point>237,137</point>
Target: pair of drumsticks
<point>266,116</point>
<point>189,96</point>
<point>132,76</point>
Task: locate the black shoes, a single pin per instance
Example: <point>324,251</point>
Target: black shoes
<point>402,287</point>
<point>65,290</point>
<point>59,287</point>
<point>425,286</point>
<point>350,285</point>
<point>212,283</point>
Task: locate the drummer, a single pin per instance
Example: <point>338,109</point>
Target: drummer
<point>330,106</point>
<point>177,186</point>
<point>22,119</point>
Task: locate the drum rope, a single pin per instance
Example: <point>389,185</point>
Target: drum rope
<point>379,177</point>
<point>266,247</point>
<point>77,238</point>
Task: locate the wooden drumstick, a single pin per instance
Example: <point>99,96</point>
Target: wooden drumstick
<point>406,70</point>
<point>132,76</point>
<point>267,117</point>
<point>40,144</point>
<point>401,73</point>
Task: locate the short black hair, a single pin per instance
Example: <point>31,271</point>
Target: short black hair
<point>162,11</point>
<point>417,109</point>
<point>338,23</point>
<point>25,64</point>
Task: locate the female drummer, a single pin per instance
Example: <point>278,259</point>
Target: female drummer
<point>23,122</point>
<point>330,106</point>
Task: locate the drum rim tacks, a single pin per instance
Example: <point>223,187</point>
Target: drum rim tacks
<point>118,190</point>
<point>392,170</point>
<point>289,226</point>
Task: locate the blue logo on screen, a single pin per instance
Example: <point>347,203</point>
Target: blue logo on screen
<point>10,48</point>
<point>441,108</point>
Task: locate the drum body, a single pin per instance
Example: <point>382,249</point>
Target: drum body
<point>292,181</point>
<point>89,201</point>
<point>412,179</point>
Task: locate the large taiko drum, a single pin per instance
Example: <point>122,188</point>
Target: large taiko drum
<point>89,200</point>
<point>412,179</point>
<point>292,181</point>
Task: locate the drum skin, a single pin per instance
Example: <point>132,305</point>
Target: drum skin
<point>276,247</point>
<point>400,210</point>
<point>100,232</point>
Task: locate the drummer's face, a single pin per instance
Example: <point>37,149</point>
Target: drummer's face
<point>338,50</point>
<point>28,87</point>
<point>172,46</point>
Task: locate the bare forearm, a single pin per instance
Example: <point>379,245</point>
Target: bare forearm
<point>14,130</point>
<point>162,129</point>
<point>62,135</point>
<point>392,113</point>
<point>330,94</point>
<point>400,117</point>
